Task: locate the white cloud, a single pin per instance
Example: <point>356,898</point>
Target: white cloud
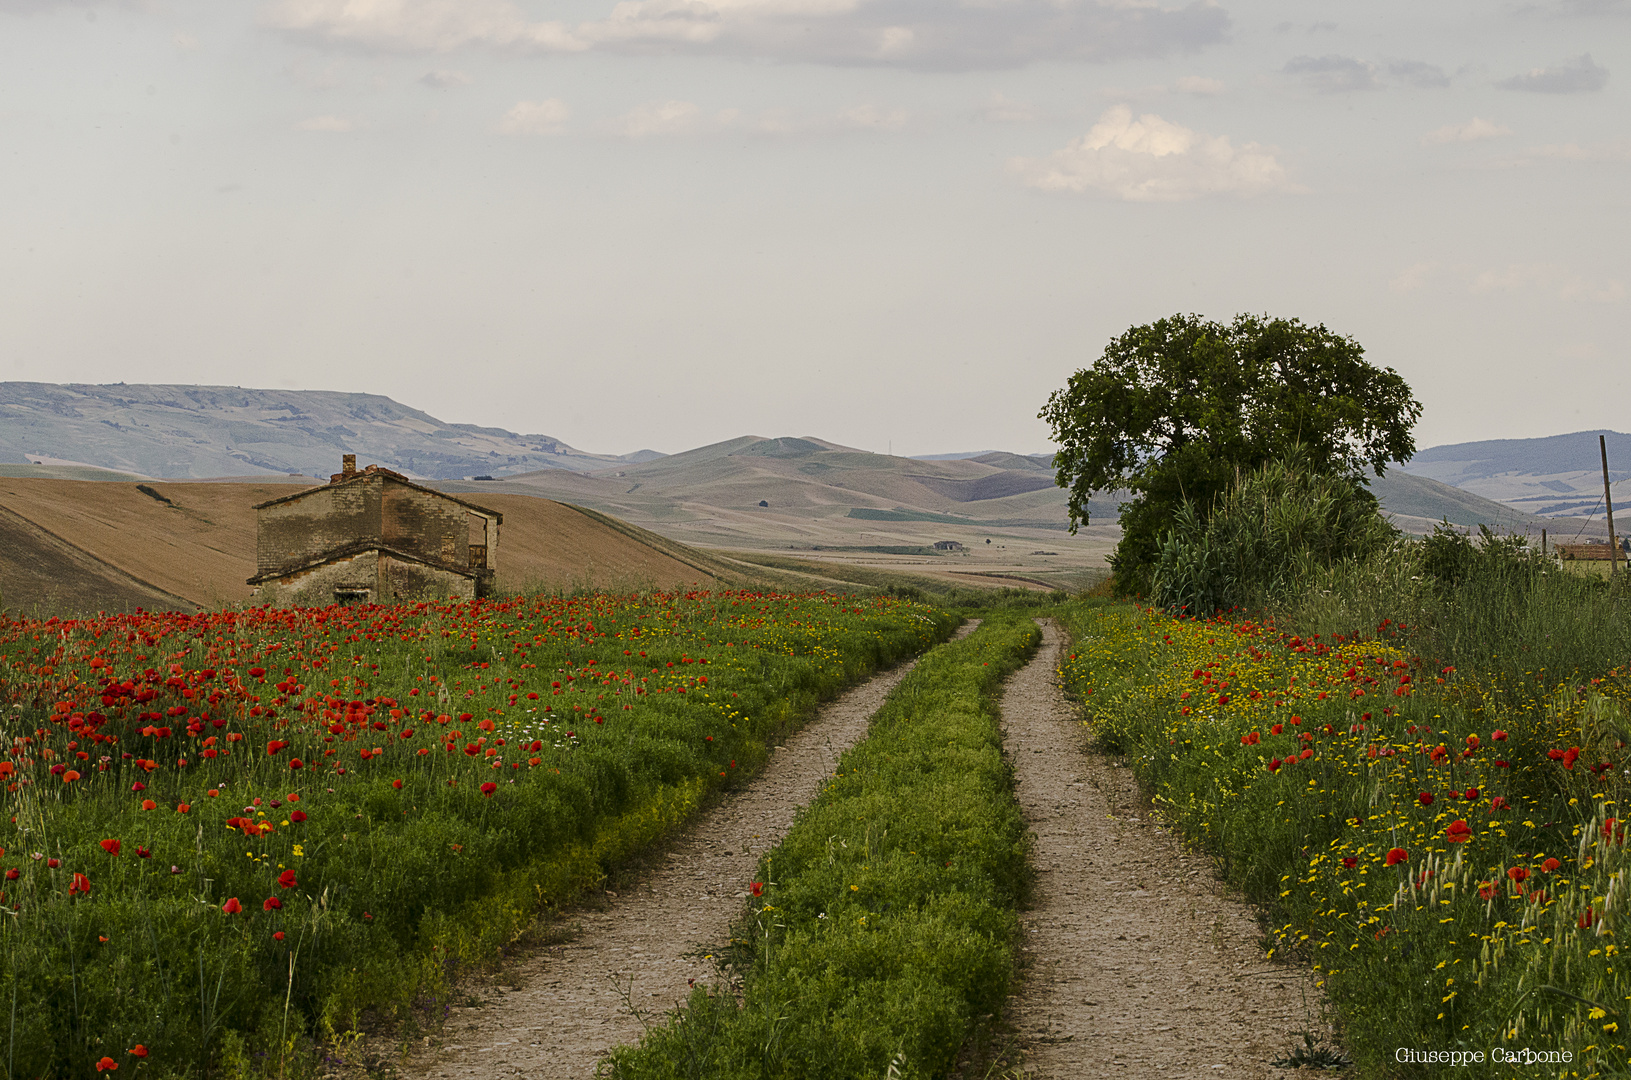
<point>324,123</point>
<point>1194,84</point>
<point>1419,74</point>
<point>659,118</point>
<point>1412,278</point>
<point>1580,75</point>
<point>547,117</point>
<point>443,79</point>
<point>1547,279</point>
<point>1333,74</point>
<point>1149,159</point>
<point>872,118</point>
<point>1474,130</point>
<point>929,34</point>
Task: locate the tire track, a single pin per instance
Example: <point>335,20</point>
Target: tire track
<point>1135,962</point>
<point>644,949</point>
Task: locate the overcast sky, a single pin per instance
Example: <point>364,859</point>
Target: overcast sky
<point>661,223</point>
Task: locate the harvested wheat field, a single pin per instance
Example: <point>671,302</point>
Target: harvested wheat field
<point>75,546</point>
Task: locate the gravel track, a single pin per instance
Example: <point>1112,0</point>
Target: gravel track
<point>636,958</point>
<point>1136,962</point>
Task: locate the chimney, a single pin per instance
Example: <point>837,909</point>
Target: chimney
<point>348,464</point>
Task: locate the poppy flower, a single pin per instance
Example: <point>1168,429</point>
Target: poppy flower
<point>1518,873</point>
<point>1395,856</point>
<point>81,886</point>
<point>13,874</point>
<point>138,1050</point>
<point>1274,765</point>
<point>286,880</point>
<point>297,816</point>
<point>106,1064</point>
<point>397,784</point>
<point>1498,735</point>
<point>1350,862</point>
<point>52,863</point>
<point>1471,794</point>
<point>232,907</point>
<point>1570,756</point>
<point>271,903</point>
<point>149,804</point>
<point>1549,865</point>
<point>278,936</point>
<point>182,808</point>
<point>1498,803</point>
<point>1486,890</point>
<point>143,853</point>
<point>296,763</point>
<point>1458,832</point>
<point>488,788</point>
<point>138,786</point>
<point>111,846</point>
<point>1425,798</point>
<point>67,778</point>
<point>757,888</point>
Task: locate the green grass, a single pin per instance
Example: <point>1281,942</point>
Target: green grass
<point>885,933</point>
<point>478,804</point>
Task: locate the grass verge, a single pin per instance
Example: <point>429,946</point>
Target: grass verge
<point>885,929</point>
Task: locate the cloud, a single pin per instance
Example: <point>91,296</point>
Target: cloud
<point>443,79</point>
<point>1474,130</point>
<point>1005,110</point>
<point>324,123</point>
<point>1153,160</point>
<point>1419,74</point>
<point>659,118</point>
<point>547,117</point>
<point>1194,84</point>
<point>1577,76</point>
<point>925,34</point>
<point>1547,279</point>
<point>1333,74</point>
<point>1412,278</point>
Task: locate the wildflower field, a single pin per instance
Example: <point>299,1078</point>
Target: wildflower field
<point>227,835</point>
<point>883,930</point>
<point>1444,847</point>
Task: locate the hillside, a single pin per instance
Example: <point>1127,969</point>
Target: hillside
<point>74,546</point>
<point>1554,477</point>
<point>192,432</point>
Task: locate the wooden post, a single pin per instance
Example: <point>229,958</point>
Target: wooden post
<point>1543,542</point>
<point>1608,506</point>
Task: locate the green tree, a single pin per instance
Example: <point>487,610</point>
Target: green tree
<point>1176,410</point>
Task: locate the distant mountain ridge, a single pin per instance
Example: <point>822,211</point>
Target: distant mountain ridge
<point>1554,476</point>
<point>195,432</point>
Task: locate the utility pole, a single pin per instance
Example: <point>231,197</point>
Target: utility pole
<point>1608,505</point>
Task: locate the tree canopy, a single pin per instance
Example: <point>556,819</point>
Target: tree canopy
<point>1175,410</point>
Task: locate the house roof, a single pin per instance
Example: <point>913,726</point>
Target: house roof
<point>357,547</point>
<point>395,478</point>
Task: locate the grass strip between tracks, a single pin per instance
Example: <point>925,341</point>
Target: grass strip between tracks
<point>886,925</point>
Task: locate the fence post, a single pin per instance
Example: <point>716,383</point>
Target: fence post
<point>1608,506</point>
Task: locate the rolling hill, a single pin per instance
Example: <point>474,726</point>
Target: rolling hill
<point>193,432</point>
<point>1554,477</point>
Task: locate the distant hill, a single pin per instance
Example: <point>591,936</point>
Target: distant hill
<point>1556,476</point>
<point>193,432</point>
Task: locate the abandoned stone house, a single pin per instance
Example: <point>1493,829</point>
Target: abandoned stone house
<point>948,545</point>
<point>372,536</point>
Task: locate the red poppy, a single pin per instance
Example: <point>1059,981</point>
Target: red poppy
<point>138,786</point>
<point>1458,832</point>
<point>1549,865</point>
<point>106,1064</point>
<point>271,903</point>
<point>182,808</point>
<point>13,874</point>
<point>1570,755</point>
<point>1471,794</point>
<point>1472,741</point>
<point>1518,873</point>
<point>1350,862</point>
<point>1397,855</point>
<point>296,763</point>
<point>286,880</point>
<point>1425,798</point>
<point>1497,803</point>
<point>297,816</point>
<point>757,888</point>
<point>52,863</point>
<point>111,846</point>
<point>149,804</point>
<point>1486,890</point>
<point>232,907</point>
<point>142,853</point>
<point>275,745</point>
<point>278,936</point>
<point>488,788</point>
<point>138,1050</point>
<point>81,885</point>
<point>67,778</point>
<point>1274,765</point>
<point>397,784</point>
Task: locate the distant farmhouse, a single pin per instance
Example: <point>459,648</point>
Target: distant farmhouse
<point>1593,557</point>
<point>372,536</point>
<point>948,545</point>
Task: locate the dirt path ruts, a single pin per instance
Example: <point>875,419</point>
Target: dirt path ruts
<point>1136,963</point>
<point>644,947</point>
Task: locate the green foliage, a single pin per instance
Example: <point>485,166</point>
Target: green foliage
<point>1281,524</point>
<point>405,869</point>
<point>1172,409</point>
<point>887,926</point>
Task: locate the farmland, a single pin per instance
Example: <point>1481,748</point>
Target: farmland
<point>231,834</point>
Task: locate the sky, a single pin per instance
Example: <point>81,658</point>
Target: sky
<point>895,224</point>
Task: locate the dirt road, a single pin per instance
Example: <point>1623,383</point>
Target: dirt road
<point>1137,963</point>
